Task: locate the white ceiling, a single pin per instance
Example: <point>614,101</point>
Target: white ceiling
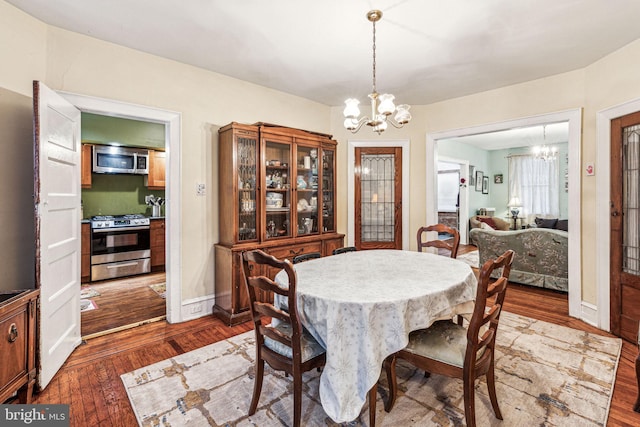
<point>427,50</point>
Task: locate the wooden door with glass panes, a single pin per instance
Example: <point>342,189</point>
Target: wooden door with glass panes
<point>378,198</point>
<point>247,185</point>
<point>625,226</point>
<point>306,191</point>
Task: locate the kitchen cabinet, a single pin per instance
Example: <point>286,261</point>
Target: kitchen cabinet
<point>18,321</point>
<point>85,252</point>
<point>156,180</point>
<point>86,165</point>
<point>157,229</point>
<point>276,193</point>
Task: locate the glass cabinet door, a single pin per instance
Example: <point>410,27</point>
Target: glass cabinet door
<point>307,163</point>
<point>247,153</point>
<point>328,190</point>
<point>277,158</point>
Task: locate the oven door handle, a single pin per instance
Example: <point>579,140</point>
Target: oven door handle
<point>108,230</point>
<point>129,264</point>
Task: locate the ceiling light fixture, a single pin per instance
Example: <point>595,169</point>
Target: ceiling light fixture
<point>545,152</point>
<point>382,106</point>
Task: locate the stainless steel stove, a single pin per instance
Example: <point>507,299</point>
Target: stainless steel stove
<point>120,246</point>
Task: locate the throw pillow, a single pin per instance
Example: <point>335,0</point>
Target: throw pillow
<point>562,224</point>
<point>546,222</point>
<point>485,226</point>
<point>489,221</point>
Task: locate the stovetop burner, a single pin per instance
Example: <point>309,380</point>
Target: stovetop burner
<point>111,221</point>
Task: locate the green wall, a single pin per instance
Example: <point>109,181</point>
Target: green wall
<point>117,194</point>
<point>496,162</point>
<point>98,129</point>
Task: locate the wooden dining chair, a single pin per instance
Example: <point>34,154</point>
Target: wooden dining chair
<point>286,346</point>
<point>449,349</point>
<point>344,250</point>
<point>306,257</point>
<point>452,247</point>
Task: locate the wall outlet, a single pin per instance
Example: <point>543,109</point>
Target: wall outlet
<point>196,308</point>
<point>200,189</point>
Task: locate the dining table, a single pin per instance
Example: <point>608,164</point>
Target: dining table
<point>361,306</point>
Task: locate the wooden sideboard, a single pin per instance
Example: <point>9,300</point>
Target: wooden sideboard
<point>18,343</point>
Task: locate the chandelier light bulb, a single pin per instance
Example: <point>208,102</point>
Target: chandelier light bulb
<point>386,106</point>
<point>351,109</point>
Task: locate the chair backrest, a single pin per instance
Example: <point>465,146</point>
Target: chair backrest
<point>306,257</point>
<point>255,281</point>
<point>489,300</point>
<point>344,250</point>
<point>439,244</point>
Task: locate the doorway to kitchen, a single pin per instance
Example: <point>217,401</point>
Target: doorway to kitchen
<point>123,193</point>
<point>171,121</point>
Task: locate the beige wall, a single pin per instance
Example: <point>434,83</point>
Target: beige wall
<point>79,64</point>
<point>75,63</point>
<point>611,81</point>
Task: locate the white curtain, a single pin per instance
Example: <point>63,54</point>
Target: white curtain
<point>536,183</point>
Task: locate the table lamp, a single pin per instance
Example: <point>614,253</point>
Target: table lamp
<point>514,206</point>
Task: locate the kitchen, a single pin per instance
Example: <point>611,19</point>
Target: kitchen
<point>123,225</point>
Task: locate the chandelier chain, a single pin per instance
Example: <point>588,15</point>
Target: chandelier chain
<point>374,57</point>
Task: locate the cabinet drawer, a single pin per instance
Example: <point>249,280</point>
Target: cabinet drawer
<point>288,252</point>
<point>14,362</point>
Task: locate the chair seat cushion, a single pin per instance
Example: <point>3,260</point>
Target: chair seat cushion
<point>443,341</point>
<point>310,347</point>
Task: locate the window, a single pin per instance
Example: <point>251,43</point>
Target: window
<point>535,183</point>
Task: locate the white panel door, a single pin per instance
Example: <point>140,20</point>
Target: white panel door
<point>57,201</point>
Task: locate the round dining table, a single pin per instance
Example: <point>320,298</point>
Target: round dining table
<point>361,307</point>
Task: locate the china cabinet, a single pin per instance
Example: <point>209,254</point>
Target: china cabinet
<point>276,193</point>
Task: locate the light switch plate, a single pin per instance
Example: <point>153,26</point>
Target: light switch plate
<point>200,189</point>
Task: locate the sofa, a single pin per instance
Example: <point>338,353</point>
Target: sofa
<point>541,254</point>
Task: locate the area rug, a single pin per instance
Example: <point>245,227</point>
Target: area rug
<point>87,292</point>
<point>160,289</point>
<point>547,375</point>
<point>87,305</point>
<point>471,258</point>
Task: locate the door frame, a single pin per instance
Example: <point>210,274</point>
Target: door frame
<point>351,161</point>
<point>172,121</point>
<point>463,208</point>
<point>577,308</point>
<point>603,198</point>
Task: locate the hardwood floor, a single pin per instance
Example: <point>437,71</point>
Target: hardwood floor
<point>123,303</point>
<point>90,379</point>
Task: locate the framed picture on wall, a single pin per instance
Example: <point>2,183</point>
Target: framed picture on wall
<point>497,179</point>
<point>472,175</point>
<point>485,185</point>
<point>479,176</point>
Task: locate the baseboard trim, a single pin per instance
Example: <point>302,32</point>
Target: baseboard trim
<point>589,313</point>
<point>197,307</point>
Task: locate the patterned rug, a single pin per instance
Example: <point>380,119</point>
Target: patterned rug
<point>547,375</point>
<point>471,258</point>
<point>88,292</point>
<point>160,289</point>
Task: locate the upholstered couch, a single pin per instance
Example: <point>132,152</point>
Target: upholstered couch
<point>484,221</point>
<point>541,254</point>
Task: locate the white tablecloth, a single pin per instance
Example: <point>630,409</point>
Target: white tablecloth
<point>361,307</point>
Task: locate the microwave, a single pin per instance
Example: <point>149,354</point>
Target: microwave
<point>113,159</point>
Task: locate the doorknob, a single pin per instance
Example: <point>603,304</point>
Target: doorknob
<point>615,213</point>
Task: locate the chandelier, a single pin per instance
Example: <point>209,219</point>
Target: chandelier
<point>545,152</point>
<point>382,106</point>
